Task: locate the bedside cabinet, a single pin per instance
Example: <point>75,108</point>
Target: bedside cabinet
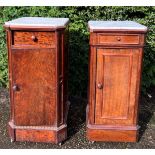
<point>37,52</point>
<point>116,51</point>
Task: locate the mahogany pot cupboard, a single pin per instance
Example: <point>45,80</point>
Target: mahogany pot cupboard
<point>37,52</point>
<point>115,64</point>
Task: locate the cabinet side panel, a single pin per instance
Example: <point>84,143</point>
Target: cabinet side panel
<point>62,72</point>
<point>138,83</point>
<point>9,42</point>
<point>91,88</point>
<point>65,67</point>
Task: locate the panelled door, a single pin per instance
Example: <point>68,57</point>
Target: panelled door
<point>34,86</point>
<point>116,78</point>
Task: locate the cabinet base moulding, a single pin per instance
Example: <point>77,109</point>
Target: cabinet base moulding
<point>97,133</point>
<point>37,134</point>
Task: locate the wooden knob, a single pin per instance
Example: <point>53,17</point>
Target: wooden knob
<point>61,81</point>
<point>118,39</point>
<point>15,88</point>
<point>34,38</point>
<point>99,86</point>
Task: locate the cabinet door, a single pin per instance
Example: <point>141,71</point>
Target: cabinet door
<point>34,86</point>
<point>117,85</point>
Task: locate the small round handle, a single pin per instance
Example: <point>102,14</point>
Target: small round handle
<point>61,81</point>
<point>34,38</point>
<point>15,88</point>
<point>118,39</point>
<point>99,86</point>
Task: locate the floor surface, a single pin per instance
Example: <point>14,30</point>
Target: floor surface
<point>76,127</point>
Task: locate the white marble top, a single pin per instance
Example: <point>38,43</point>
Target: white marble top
<point>130,25</point>
<point>38,21</point>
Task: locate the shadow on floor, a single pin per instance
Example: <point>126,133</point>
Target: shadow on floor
<point>76,115</point>
<point>147,107</point>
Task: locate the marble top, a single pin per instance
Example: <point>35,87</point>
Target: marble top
<point>130,25</point>
<point>38,21</point>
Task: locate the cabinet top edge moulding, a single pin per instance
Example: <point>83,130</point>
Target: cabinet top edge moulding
<point>124,26</point>
<point>37,23</point>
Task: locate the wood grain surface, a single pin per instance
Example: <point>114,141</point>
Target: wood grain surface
<point>116,71</point>
<point>42,39</point>
<point>38,63</point>
<point>112,135</point>
<point>34,73</point>
<point>118,39</point>
<point>115,65</point>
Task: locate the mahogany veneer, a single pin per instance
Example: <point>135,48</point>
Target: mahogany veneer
<point>37,51</point>
<point>115,64</point>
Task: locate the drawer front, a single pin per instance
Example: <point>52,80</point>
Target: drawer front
<point>118,39</point>
<point>40,39</point>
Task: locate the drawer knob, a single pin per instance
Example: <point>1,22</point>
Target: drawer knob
<point>34,38</point>
<point>99,86</point>
<point>118,39</point>
<point>15,88</point>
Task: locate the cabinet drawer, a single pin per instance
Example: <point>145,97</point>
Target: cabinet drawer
<point>40,39</point>
<point>117,39</point>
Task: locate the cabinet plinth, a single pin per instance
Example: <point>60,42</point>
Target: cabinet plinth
<point>37,54</point>
<point>115,64</point>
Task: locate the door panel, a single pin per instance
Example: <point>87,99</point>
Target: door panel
<point>116,85</point>
<point>34,75</point>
